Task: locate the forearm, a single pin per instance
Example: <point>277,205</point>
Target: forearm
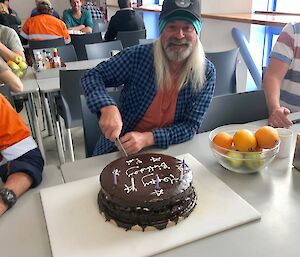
<point>87,30</point>
<point>12,81</point>
<point>19,183</point>
<point>271,88</point>
<point>79,28</point>
<point>7,54</point>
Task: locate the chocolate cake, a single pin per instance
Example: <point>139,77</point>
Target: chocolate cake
<point>146,191</point>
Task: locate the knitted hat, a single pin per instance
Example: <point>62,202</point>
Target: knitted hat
<point>188,10</point>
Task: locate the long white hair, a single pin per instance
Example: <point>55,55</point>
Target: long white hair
<point>193,70</point>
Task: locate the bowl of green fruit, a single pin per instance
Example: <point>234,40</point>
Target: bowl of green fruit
<point>244,149</point>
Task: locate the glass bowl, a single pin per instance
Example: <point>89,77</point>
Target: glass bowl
<point>241,162</point>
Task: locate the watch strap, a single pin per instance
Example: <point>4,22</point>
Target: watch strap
<point>8,196</point>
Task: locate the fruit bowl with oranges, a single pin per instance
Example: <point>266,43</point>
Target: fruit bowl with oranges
<point>244,148</point>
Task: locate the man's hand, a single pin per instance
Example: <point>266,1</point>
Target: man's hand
<point>134,141</point>
<point>3,207</point>
<point>279,118</point>
<point>110,122</point>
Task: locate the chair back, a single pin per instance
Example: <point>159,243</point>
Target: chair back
<point>102,50</point>
<point>235,109</point>
<point>225,64</point>
<point>42,44</point>
<point>95,24</point>
<point>91,128</point>
<point>79,42</point>
<point>242,43</point>
<point>131,38</point>
<point>67,53</point>
<point>145,41</point>
<point>70,90</point>
<point>4,90</point>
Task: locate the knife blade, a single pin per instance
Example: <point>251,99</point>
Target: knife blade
<point>120,146</point>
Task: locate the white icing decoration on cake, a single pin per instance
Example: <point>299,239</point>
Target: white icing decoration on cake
<point>116,172</point>
<point>153,159</point>
<point>130,188</point>
<point>136,160</point>
<point>158,192</point>
<point>148,169</point>
<point>167,179</point>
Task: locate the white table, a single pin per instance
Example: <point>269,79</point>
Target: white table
<point>275,193</point>
<point>23,228</point>
<point>51,87</point>
<point>30,89</point>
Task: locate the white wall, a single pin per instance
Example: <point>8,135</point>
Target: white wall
<point>24,7</point>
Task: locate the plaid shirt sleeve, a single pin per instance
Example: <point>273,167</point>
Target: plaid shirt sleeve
<point>190,109</point>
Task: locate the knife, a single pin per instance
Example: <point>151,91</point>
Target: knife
<point>296,121</point>
<point>120,146</point>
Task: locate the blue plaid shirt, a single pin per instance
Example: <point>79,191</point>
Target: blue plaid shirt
<point>134,68</point>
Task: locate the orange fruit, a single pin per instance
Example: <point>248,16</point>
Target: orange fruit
<point>267,137</point>
<point>223,139</point>
<point>244,140</point>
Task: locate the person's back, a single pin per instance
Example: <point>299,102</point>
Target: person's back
<point>93,9</point>
<point>126,19</point>
<point>44,27</point>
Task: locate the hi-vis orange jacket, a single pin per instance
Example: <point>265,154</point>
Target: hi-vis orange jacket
<point>15,138</point>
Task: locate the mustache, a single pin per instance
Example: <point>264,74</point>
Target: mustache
<point>174,41</point>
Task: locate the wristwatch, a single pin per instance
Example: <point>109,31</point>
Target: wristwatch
<point>8,197</point>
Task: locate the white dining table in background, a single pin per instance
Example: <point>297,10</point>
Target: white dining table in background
<point>51,87</point>
<point>31,88</point>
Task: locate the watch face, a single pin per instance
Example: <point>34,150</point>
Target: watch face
<point>8,197</point>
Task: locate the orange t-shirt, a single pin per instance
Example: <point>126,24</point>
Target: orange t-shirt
<point>12,127</point>
<point>161,111</point>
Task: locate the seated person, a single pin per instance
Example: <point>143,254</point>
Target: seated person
<point>168,86</point>
<point>9,78</point>
<point>11,11</point>
<point>126,19</point>
<point>93,9</point>
<point>44,26</point>
<point>21,162</point>
<point>78,18</point>
<point>10,43</point>
<point>12,20</point>
<point>281,81</point>
<point>35,11</point>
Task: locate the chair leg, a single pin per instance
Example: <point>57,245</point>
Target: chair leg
<point>70,144</point>
<point>62,132</point>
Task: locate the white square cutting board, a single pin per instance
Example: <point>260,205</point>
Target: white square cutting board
<point>76,228</point>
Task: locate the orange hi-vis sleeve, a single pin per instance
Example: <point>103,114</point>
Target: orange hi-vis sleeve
<point>12,127</point>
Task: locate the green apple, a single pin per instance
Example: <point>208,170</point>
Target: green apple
<point>235,159</point>
<point>19,73</point>
<point>23,65</point>
<point>254,161</point>
<point>15,67</point>
<point>17,59</point>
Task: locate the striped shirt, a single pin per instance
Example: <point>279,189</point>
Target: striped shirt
<point>287,50</point>
<point>134,68</point>
<point>45,27</point>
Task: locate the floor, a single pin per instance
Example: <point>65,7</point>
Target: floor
<point>50,144</point>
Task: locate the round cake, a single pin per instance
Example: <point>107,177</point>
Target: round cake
<point>146,191</point>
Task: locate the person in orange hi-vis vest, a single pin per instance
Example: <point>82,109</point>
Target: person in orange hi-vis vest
<point>21,162</point>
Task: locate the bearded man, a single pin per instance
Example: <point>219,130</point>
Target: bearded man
<point>167,85</point>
